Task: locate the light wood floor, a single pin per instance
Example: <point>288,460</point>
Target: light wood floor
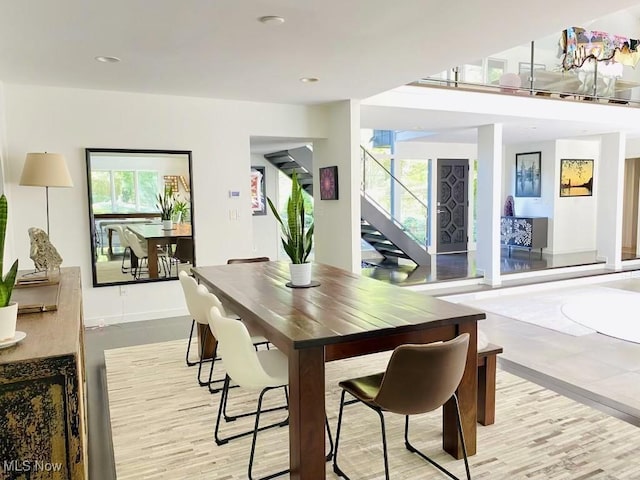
<point>549,366</point>
<point>162,429</point>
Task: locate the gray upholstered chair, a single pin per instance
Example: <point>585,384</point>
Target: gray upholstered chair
<point>418,379</point>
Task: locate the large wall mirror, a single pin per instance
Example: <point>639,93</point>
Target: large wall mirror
<point>133,238</point>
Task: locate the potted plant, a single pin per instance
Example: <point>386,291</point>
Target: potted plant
<point>296,241</point>
<point>166,205</point>
<point>180,210</point>
<point>8,309</point>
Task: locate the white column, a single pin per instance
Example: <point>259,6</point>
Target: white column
<point>489,202</point>
<point>610,190</point>
<point>337,222</point>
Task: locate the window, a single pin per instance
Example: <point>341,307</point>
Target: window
<point>124,191</point>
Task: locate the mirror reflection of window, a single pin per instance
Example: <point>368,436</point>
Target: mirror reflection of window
<point>129,243</point>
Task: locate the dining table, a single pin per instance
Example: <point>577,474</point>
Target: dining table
<point>343,315</point>
<point>155,235</point>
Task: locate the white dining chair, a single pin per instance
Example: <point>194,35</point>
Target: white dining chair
<point>138,249</point>
<point>264,370</point>
<point>199,300</point>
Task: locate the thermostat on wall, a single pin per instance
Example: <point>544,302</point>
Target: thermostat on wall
<point>234,194</point>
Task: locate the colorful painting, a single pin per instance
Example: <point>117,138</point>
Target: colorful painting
<point>528,174</point>
<point>329,183</point>
<point>576,178</point>
<point>258,195</point>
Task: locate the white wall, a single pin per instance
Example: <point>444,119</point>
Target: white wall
<point>337,222</point>
<point>266,231</point>
<point>574,225</point>
<point>216,131</point>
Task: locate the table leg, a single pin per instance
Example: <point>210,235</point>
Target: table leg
<point>487,391</point>
<point>152,260</point>
<point>467,398</point>
<point>306,414</point>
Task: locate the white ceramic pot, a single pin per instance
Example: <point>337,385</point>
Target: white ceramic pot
<point>167,224</point>
<point>300,273</point>
<point>8,317</point>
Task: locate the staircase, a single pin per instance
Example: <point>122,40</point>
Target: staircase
<point>378,228</point>
<point>298,160</point>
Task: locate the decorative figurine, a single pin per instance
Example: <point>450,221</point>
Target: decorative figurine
<point>43,253</point>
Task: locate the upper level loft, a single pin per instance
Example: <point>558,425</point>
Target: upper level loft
<point>595,63</point>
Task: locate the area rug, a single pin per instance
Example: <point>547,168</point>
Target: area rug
<point>574,311</point>
<point>162,428</point>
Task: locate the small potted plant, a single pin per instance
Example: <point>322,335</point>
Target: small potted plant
<point>166,205</point>
<point>8,309</point>
<point>180,210</point>
<point>297,239</point>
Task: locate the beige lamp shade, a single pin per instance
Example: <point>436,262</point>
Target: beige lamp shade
<point>45,170</point>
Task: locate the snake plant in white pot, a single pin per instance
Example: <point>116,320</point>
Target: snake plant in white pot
<point>297,239</point>
<point>8,309</point>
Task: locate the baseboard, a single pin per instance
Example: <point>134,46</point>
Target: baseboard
<point>104,321</point>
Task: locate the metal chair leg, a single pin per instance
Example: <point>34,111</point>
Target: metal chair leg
<point>256,429</point>
<point>233,418</point>
<point>190,363</point>
<point>412,449</point>
<point>222,406</point>
<point>336,468</point>
<point>384,444</point>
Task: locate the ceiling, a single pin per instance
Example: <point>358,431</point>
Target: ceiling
<point>219,49</point>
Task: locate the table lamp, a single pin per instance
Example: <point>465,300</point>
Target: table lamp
<point>45,170</point>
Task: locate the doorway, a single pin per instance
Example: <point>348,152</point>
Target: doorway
<point>630,209</point>
<point>453,205</point>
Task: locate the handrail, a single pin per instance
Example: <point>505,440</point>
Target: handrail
<point>420,234</point>
<point>393,177</point>
<point>396,222</point>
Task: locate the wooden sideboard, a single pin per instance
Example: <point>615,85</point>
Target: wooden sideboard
<point>524,232</point>
<point>43,427</point>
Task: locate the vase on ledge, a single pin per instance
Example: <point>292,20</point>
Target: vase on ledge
<point>167,224</point>
<point>300,274</point>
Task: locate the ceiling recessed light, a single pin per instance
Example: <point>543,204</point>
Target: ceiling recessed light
<point>309,80</point>
<point>105,59</point>
<point>271,19</point>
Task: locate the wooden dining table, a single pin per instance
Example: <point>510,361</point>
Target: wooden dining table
<point>346,315</point>
<point>155,235</point>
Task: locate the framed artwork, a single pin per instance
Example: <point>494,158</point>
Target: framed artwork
<point>258,195</point>
<point>576,177</point>
<point>329,183</point>
<point>528,174</point>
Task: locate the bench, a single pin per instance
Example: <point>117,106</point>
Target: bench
<point>487,362</point>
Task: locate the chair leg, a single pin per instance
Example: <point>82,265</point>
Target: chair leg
<point>189,362</point>
<point>222,406</point>
<point>211,381</point>
<point>255,436</point>
<point>124,269</point>
<point>384,444</point>
<point>336,468</point>
<point>411,448</point>
<point>233,418</point>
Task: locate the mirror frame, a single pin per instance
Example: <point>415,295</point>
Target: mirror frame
<point>92,225</point>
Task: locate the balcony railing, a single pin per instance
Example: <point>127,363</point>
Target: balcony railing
<point>537,69</point>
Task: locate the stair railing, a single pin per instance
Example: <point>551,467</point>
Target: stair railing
<point>377,186</point>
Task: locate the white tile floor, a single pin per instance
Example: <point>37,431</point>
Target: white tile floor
<point>601,368</point>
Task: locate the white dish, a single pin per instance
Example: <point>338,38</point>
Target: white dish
<point>19,336</point>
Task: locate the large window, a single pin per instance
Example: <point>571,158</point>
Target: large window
<point>124,191</point>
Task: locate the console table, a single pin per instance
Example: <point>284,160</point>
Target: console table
<point>524,232</point>
<point>42,392</point>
